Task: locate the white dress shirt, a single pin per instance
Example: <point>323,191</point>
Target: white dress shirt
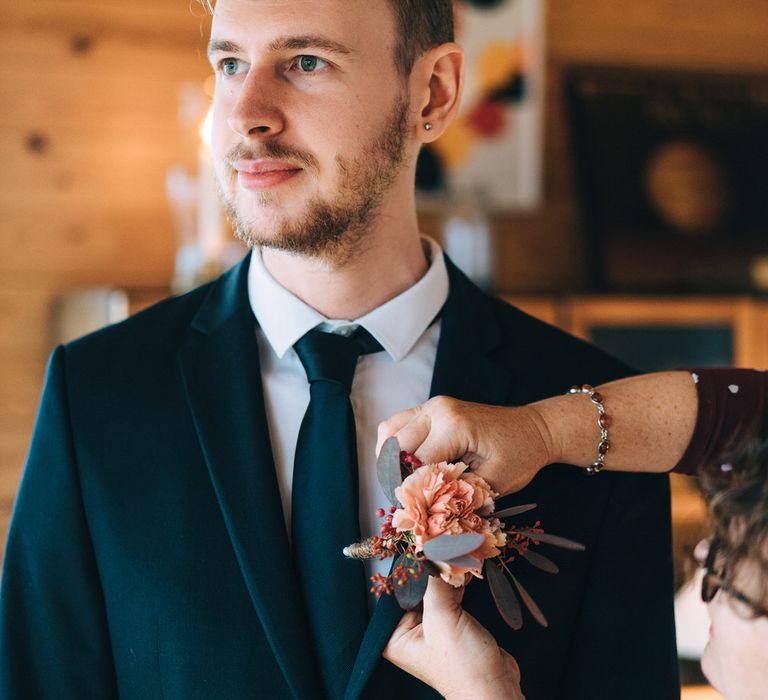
<point>385,382</point>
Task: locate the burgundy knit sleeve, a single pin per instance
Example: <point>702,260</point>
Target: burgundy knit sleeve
<point>730,403</point>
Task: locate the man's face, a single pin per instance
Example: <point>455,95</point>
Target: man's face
<point>310,119</point>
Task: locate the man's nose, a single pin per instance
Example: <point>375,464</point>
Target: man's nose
<point>256,112</point>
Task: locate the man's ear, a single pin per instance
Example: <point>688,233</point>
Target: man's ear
<point>439,78</point>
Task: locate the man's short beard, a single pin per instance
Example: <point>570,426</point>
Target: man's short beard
<point>334,229</point>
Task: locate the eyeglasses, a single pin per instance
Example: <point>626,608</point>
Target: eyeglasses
<point>713,581</point>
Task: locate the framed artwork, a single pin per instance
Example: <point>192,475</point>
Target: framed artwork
<point>672,178</point>
<point>492,151</point>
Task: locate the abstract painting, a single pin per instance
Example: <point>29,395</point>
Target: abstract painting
<point>492,151</point>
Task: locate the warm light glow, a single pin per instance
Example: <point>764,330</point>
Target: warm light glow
<point>206,128</point>
<point>699,692</point>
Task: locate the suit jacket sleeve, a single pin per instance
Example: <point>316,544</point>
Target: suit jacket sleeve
<point>54,641</point>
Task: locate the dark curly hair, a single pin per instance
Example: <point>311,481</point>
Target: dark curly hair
<point>738,506</point>
<point>421,25</point>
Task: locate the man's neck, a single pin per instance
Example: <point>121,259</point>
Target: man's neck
<point>388,263</point>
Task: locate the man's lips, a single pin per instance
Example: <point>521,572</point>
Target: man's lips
<point>263,174</point>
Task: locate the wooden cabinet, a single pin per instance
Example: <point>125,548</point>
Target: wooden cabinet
<point>737,327</point>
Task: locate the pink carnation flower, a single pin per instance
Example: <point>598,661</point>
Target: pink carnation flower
<point>442,498</point>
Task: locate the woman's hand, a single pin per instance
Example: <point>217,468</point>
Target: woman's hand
<point>507,446</point>
<point>652,422</point>
<point>446,648</point>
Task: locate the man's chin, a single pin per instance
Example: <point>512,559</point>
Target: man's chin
<point>266,223</point>
<point>260,234</point>
<point>312,228</point>
<point>277,233</point>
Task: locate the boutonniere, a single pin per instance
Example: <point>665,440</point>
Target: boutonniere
<point>442,522</point>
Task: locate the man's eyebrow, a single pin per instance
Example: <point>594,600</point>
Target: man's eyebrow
<point>293,43</point>
<point>216,46</point>
<point>308,41</point>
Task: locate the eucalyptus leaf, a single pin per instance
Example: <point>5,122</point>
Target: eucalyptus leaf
<point>504,596</point>
<point>465,561</point>
<point>555,540</point>
<point>515,510</point>
<point>448,547</point>
<point>388,469</point>
<point>410,594</point>
<point>540,562</point>
<point>530,603</point>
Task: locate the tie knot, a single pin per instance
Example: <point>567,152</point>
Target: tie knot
<point>332,357</point>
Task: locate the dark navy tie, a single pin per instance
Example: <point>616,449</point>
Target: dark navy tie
<point>324,503</point>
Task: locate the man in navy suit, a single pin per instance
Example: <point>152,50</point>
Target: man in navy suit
<point>149,550</point>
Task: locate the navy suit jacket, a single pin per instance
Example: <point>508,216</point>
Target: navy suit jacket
<point>147,555</point>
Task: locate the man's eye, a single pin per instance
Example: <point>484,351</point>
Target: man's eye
<point>229,66</point>
<point>310,64</point>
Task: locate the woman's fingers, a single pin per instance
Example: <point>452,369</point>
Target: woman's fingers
<point>434,431</point>
<point>406,642</point>
<point>409,622</point>
<point>394,424</point>
<point>511,666</point>
<point>441,597</point>
<point>451,651</point>
<point>505,445</point>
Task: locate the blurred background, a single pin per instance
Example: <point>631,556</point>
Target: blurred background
<point>607,174</point>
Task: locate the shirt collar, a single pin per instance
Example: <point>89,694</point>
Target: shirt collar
<point>397,324</point>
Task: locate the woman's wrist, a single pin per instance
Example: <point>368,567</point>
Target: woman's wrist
<point>568,426</point>
<point>540,414</point>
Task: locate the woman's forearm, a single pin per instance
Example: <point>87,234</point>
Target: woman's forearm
<point>660,421</point>
<point>652,418</point>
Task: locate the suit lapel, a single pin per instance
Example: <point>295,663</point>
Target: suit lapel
<point>464,370</point>
<point>222,377</point>
<point>464,367</point>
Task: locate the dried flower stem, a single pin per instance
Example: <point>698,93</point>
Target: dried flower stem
<point>360,550</point>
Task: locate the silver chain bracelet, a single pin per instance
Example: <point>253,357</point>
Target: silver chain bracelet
<point>603,421</point>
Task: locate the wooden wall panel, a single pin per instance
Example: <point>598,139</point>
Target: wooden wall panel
<point>88,127</point>
<point>687,33</point>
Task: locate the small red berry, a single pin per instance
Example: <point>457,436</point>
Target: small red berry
<point>380,512</point>
<point>413,461</point>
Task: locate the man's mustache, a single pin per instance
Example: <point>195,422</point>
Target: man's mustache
<point>270,149</point>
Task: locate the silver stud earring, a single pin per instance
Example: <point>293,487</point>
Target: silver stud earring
<point>428,126</point>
